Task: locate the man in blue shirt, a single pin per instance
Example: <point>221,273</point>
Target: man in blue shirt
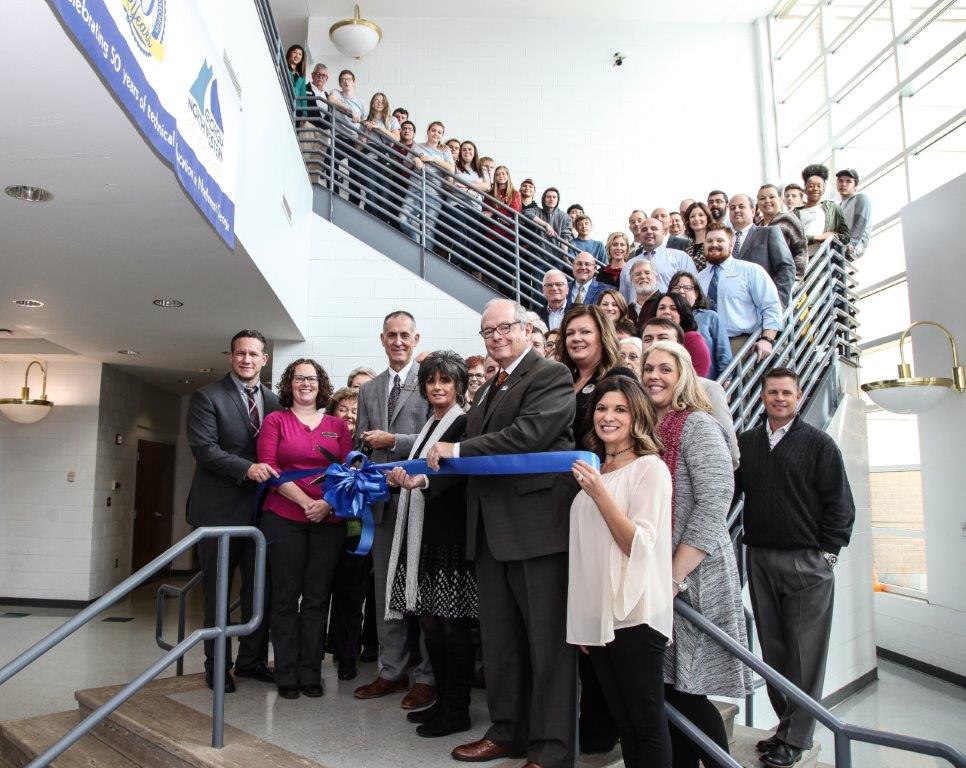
<point>666,261</point>
<point>741,292</point>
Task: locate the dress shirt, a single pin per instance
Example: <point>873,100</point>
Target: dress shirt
<point>747,298</point>
<point>403,375</point>
<point>775,437</point>
<point>509,370</point>
<point>243,391</point>
<point>555,316</point>
<point>576,289</point>
<point>666,262</point>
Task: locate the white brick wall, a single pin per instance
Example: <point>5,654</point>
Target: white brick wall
<point>678,119</point>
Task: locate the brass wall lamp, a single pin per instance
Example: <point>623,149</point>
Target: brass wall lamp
<point>23,409</point>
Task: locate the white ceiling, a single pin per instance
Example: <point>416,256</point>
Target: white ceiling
<point>119,232</point>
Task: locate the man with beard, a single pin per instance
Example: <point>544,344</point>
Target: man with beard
<point>718,204</point>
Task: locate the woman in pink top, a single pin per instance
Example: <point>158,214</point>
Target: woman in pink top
<point>674,307</point>
<point>304,537</point>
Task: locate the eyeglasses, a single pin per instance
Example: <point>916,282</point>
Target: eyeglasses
<point>554,285</point>
<point>503,328</point>
<point>305,379</point>
<point>683,289</point>
<point>477,376</point>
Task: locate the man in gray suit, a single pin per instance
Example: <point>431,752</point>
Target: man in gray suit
<point>223,422</point>
<point>390,415</point>
<point>518,535</point>
<point>763,246</point>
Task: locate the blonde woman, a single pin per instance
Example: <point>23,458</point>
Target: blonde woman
<point>617,247</point>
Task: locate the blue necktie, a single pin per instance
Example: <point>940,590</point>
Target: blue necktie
<point>713,286</point>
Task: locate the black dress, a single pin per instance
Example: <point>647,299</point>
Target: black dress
<point>446,580</point>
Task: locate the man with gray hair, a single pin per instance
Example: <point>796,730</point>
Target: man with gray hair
<point>556,290</point>
<point>518,537</point>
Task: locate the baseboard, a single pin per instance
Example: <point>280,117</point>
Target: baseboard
<point>36,602</point>
<point>921,666</point>
<point>837,697</point>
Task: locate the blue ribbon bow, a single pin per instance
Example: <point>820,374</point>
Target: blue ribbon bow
<point>351,488</point>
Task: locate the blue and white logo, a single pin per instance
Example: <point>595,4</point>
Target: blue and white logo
<point>206,107</point>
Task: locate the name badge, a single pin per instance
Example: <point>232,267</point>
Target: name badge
<point>504,388</point>
<point>588,389</point>
<point>333,435</point>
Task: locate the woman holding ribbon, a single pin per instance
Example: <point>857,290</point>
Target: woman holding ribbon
<point>619,602</point>
<point>305,539</point>
<point>429,573</point>
<point>704,570</point>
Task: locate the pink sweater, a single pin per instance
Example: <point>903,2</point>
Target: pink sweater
<point>700,356</point>
<point>285,443</point>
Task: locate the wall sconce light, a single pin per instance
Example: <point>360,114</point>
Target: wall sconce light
<point>909,394</point>
<point>23,409</point>
<point>356,36</point>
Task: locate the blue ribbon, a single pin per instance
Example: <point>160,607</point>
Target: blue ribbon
<point>351,488</point>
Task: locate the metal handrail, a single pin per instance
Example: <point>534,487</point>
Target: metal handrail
<point>844,733</point>
<point>167,591</point>
<point>219,633</point>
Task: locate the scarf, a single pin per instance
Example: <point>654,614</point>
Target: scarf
<point>409,518</point>
<point>669,430</point>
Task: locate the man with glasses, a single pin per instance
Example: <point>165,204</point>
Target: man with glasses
<point>313,134</point>
<point>223,422</point>
<point>518,536</point>
<point>556,290</point>
<point>390,414</point>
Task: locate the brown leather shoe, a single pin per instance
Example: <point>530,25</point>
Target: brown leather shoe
<point>420,696</point>
<point>481,751</point>
<point>381,687</point>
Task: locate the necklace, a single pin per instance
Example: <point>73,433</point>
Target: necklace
<point>618,453</point>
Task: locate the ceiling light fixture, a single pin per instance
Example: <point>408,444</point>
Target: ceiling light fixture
<point>128,352</point>
<point>168,303</point>
<point>356,36</point>
<point>31,303</point>
<point>23,409</point>
<point>29,194</point>
<point>909,394</point>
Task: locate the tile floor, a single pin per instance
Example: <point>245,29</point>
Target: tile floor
<point>335,730</point>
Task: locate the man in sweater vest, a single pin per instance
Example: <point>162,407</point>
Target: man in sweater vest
<point>798,514</point>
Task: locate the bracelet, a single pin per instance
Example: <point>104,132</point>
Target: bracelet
<point>770,341</point>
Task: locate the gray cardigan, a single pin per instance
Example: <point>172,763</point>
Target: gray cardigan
<point>703,487</point>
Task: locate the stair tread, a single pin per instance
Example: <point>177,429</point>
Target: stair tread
<point>743,748</point>
<point>32,735</point>
<point>184,733</point>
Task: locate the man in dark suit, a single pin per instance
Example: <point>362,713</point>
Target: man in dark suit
<point>518,536</point>
<point>390,415</point>
<point>763,246</point>
<point>585,288</point>
<point>669,240</point>
<point>556,291</point>
<point>223,422</point>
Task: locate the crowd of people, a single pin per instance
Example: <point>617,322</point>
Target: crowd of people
<point>550,577</point>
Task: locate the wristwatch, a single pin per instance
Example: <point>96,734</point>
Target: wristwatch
<point>680,586</point>
<point>830,559</point>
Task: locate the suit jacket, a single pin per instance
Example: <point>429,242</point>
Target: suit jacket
<point>223,445</point>
<point>594,287</point>
<point>412,411</point>
<point>766,247</point>
<point>544,313</point>
<point>680,243</point>
<point>524,516</point>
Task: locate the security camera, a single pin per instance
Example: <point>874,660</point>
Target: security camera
<point>619,59</point>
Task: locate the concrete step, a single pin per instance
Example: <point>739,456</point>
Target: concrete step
<point>154,730</point>
<point>728,712</point>
<point>23,740</point>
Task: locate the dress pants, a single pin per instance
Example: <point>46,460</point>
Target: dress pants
<point>303,558</point>
<point>253,648</point>
<point>792,592</point>
<point>393,633</point>
<point>353,575</point>
<point>630,669</point>
<point>531,672</point>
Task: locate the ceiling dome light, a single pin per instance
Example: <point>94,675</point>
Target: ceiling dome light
<point>356,36</point>
<point>909,394</point>
<point>168,303</point>
<point>29,194</point>
<point>23,409</point>
<point>31,303</point>
<point>128,352</point>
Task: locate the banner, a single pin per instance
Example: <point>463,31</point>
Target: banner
<point>158,59</point>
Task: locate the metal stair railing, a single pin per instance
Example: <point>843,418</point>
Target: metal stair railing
<point>844,733</point>
<point>219,634</point>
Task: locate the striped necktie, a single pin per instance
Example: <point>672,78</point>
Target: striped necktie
<point>254,421</point>
<point>581,292</point>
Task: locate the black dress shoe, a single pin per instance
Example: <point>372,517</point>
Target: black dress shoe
<point>313,691</point>
<point>259,672</point>
<point>597,746</point>
<point>424,715</point>
<point>781,755</point>
<point>369,654</point>
<point>288,692</point>
<point>229,681</point>
<point>347,669</point>
<point>765,744</point>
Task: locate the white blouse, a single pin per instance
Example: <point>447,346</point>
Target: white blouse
<point>608,590</point>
